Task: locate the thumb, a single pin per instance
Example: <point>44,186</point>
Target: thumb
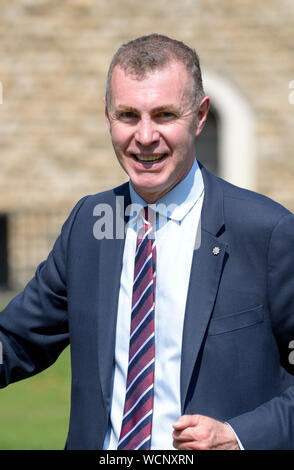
<point>184,421</point>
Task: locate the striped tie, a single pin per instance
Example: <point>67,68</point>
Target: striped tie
<point>137,416</point>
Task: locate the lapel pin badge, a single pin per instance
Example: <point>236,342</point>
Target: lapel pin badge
<point>216,250</point>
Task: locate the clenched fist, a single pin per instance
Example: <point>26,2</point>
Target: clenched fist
<point>197,432</point>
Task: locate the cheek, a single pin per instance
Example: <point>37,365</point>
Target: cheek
<point>179,137</point>
<point>120,137</point>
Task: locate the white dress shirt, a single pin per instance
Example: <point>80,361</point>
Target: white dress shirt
<point>178,219</point>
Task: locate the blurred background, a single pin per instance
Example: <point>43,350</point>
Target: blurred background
<point>55,146</point>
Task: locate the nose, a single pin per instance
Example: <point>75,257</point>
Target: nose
<point>146,134</point>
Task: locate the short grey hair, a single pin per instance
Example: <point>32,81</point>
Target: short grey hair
<point>152,52</point>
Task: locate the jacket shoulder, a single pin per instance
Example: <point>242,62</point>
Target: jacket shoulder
<point>109,195</point>
<point>251,203</point>
<point>105,197</point>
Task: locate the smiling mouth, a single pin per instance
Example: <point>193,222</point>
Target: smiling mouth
<point>149,158</point>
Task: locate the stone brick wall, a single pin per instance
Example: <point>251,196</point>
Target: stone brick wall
<point>54,57</point>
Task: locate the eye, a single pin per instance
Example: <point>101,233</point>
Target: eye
<point>127,116</point>
<point>165,116</point>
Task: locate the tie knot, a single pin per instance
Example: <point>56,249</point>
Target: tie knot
<point>149,215</point>
<point>149,219</point>
<point>146,213</point>
<point>147,223</point>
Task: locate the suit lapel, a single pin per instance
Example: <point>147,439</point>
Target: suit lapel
<point>205,276</point>
<point>109,273</point>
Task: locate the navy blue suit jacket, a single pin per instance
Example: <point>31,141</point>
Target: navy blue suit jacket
<point>239,318</point>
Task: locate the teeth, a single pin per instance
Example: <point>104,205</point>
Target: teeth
<point>149,158</point>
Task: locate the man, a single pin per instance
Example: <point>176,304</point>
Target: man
<point>206,365</point>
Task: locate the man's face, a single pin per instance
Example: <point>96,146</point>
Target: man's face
<point>153,124</point>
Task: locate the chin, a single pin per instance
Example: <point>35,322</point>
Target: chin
<point>146,184</point>
<point>150,194</point>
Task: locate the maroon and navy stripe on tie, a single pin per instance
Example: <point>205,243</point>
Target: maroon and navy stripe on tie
<point>137,416</point>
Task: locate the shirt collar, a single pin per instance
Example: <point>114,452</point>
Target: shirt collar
<point>180,200</point>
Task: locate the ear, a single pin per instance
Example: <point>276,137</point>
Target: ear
<point>202,114</point>
<point>106,112</point>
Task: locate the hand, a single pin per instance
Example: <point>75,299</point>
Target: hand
<point>197,432</point>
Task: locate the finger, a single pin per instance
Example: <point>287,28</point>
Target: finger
<point>185,421</point>
<point>187,434</point>
<point>187,445</point>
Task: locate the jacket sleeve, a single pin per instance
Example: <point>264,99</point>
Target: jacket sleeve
<point>271,425</point>
<point>34,325</point>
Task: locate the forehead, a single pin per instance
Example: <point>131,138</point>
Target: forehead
<point>167,85</point>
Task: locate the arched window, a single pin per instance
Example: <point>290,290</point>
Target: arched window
<point>227,146</point>
<point>3,253</point>
<point>207,145</point>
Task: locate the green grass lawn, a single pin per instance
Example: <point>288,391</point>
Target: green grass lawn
<point>34,413</point>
